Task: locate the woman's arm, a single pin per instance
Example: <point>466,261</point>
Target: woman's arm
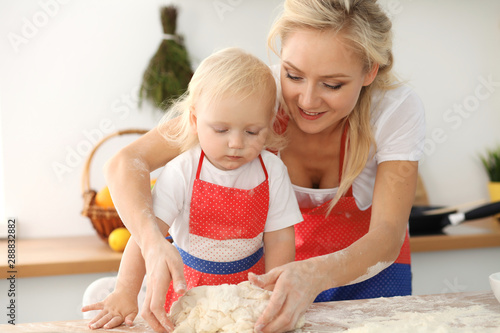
<point>128,178</point>
<point>297,284</point>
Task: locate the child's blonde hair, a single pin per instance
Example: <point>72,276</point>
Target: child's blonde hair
<point>230,71</point>
<point>367,29</point>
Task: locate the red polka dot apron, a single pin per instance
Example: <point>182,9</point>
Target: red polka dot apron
<point>319,234</point>
<point>224,215</point>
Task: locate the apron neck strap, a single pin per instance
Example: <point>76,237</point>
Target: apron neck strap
<point>263,166</point>
<point>199,164</point>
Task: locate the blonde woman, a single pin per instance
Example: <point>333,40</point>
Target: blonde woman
<point>355,136</point>
<point>224,200</point>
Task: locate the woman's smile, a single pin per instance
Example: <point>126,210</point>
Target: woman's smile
<point>310,115</point>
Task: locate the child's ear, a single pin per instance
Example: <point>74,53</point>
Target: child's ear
<point>193,119</point>
<point>370,76</point>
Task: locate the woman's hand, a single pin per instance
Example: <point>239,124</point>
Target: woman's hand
<point>117,308</point>
<point>296,285</point>
<point>163,265</point>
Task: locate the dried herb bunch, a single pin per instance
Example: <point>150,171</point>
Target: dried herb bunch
<point>169,71</point>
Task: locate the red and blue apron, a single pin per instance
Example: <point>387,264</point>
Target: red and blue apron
<point>321,234</point>
<point>220,213</point>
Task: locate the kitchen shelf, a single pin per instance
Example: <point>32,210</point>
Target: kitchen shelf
<point>89,254</point>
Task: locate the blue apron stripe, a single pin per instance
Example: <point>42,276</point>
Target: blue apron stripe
<point>395,280</point>
<point>221,268</point>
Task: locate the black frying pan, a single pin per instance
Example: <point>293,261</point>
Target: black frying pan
<point>424,221</point>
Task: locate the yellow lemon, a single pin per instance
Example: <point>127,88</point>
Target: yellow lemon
<point>118,238</point>
<point>103,198</point>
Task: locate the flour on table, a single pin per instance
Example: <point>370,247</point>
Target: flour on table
<point>223,308</point>
<point>446,320</point>
<point>447,314</point>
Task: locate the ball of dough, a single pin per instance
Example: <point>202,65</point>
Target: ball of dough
<point>223,308</point>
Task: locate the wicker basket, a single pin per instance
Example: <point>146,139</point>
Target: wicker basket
<point>104,220</point>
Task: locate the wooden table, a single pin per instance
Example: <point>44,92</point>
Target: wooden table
<point>461,312</point>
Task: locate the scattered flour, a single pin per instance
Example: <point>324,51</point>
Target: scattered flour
<point>446,314</point>
<point>441,321</point>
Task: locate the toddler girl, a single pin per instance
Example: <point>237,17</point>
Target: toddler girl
<point>225,200</point>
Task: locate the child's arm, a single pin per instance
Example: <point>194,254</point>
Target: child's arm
<point>121,305</point>
<point>279,247</point>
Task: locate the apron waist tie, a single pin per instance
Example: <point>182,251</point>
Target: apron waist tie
<point>220,268</point>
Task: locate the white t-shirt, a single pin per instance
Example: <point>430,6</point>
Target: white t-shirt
<point>174,186</point>
<point>398,122</point>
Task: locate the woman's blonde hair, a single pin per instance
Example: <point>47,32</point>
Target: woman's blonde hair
<point>230,71</point>
<point>367,30</point>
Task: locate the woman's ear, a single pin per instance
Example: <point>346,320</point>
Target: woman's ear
<point>193,119</point>
<point>370,76</point>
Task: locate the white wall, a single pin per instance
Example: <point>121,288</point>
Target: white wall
<point>77,64</point>
<point>454,271</point>
<point>447,50</point>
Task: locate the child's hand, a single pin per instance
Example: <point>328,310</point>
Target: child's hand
<point>115,309</point>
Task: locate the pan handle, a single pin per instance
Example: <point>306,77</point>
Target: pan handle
<point>483,211</point>
<point>477,213</point>
<point>454,208</point>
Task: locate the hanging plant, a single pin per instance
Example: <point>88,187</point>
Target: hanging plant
<point>169,71</point>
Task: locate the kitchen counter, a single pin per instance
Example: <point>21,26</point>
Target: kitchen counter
<point>480,233</point>
<point>459,312</point>
<point>60,256</point>
<point>90,254</point>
